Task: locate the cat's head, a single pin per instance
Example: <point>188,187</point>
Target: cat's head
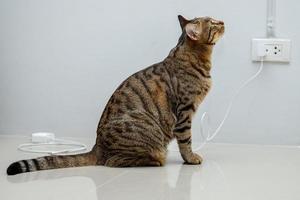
<point>202,30</point>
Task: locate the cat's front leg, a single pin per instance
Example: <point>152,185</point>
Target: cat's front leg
<point>183,135</point>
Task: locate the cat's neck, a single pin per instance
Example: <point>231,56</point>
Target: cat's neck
<point>188,52</point>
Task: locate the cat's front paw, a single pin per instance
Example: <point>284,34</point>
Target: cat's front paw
<point>193,159</point>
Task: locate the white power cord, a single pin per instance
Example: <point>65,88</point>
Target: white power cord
<point>210,135</point>
<point>48,139</point>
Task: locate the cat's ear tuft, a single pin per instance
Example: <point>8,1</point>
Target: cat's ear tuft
<point>183,21</point>
<point>193,31</point>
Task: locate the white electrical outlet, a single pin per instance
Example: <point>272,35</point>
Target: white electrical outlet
<point>274,49</point>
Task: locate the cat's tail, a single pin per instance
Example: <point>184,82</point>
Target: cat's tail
<point>52,162</point>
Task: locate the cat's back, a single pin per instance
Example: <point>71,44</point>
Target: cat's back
<point>147,91</point>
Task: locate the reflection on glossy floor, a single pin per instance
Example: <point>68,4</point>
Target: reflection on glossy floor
<point>228,172</point>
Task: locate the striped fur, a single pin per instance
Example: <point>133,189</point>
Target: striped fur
<point>51,162</point>
<point>150,108</point>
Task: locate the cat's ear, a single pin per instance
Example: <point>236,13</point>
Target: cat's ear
<point>183,21</point>
<point>193,31</point>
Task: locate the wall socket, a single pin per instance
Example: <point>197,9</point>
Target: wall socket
<point>274,49</point>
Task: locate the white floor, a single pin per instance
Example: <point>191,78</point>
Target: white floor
<point>229,172</point>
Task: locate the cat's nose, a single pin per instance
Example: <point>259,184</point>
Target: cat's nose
<point>217,22</point>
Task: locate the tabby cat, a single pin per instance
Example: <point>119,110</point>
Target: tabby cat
<point>150,108</point>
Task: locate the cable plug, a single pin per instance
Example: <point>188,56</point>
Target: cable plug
<point>261,50</point>
<point>42,137</point>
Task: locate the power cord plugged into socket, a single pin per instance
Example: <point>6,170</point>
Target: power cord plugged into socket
<point>273,49</point>
<point>209,135</point>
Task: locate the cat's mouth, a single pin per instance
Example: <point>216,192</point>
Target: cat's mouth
<point>222,28</point>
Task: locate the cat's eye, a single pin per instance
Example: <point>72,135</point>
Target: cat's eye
<point>207,20</point>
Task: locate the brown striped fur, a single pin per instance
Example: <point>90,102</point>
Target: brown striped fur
<point>150,108</point>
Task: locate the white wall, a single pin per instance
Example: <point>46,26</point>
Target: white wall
<point>60,60</point>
